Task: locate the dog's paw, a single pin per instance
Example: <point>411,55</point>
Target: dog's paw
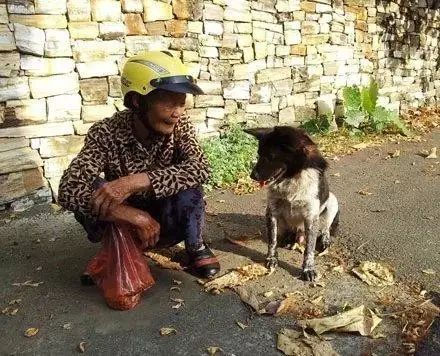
<point>308,275</point>
<point>323,243</point>
<point>271,263</point>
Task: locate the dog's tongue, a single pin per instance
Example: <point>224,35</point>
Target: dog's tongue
<point>263,183</point>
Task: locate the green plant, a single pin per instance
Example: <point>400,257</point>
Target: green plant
<point>362,111</point>
<point>317,126</point>
<point>231,156</point>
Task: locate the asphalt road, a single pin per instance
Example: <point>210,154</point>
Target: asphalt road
<point>397,223</point>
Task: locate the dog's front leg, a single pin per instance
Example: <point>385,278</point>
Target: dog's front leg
<point>311,226</point>
<point>272,232</point>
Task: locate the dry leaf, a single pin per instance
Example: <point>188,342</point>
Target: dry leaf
<point>163,261</point>
<point>15,301</point>
<point>221,201</point>
<point>360,319</point>
<point>241,325</point>
<point>31,332</point>
<point>317,300</point>
<point>27,284</point>
<point>39,268</point>
<point>339,269</point>
<point>364,192</point>
<point>323,253</point>
<point>374,274</point>
<point>268,294</point>
<point>67,326</point>
<point>336,174</point>
<point>176,282</point>
<point>180,303</point>
<point>167,331</point>
<point>82,347</point>
<point>429,271</point>
<point>177,289</point>
<point>298,247</point>
<point>292,342</point>
<point>395,154</point>
<point>235,278</point>
<point>10,311</point>
<point>213,350</point>
<point>432,154</point>
<point>360,146</point>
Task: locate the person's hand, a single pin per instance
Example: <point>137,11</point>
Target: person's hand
<point>148,229</point>
<point>114,193</point>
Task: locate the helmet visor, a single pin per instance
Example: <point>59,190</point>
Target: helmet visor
<point>178,84</point>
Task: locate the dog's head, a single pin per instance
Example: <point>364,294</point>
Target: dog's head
<point>283,151</point>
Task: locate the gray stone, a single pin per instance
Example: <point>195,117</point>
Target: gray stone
<point>220,70</point>
<point>111,30</point>
<point>21,7</point>
<point>197,115</point>
<point>157,11</point>
<point>237,90</point>
<point>260,93</point>
<point>29,39</point>
<point>54,85</point>
<point>50,7</point>
<point>78,10</point>
<point>94,90</point>
<point>64,107</point>
<point>44,130</point>
<point>89,51</point>
<point>287,116</point>
<point>212,12</point>
<point>132,6</point>
<point>106,10</point>
<point>232,14</point>
<point>57,43</point>
<point>55,166</point>
<point>210,87</point>
<point>93,113</point>
<point>19,159</point>
<point>60,146</point>
<point>9,63</point>
<point>3,14</point>
<point>273,74</point>
<point>26,111</point>
<point>37,66</point>
<point>14,88</point>
<point>114,85</point>
<point>7,42</point>
<point>204,101</point>
<point>8,144</point>
<point>19,184</point>
<point>97,69</point>
<point>216,113</point>
<point>81,128</point>
<point>135,44</point>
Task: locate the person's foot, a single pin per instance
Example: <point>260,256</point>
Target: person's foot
<point>204,262</point>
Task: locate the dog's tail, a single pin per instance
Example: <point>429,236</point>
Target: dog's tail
<point>335,224</point>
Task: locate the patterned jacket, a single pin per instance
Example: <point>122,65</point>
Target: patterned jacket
<point>175,162</point>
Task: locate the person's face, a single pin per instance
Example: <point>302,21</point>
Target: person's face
<point>164,111</point>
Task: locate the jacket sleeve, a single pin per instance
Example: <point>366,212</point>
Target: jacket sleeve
<point>191,170</point>
<point>76,185</point>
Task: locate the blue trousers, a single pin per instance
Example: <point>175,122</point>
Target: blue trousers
<point>181,218</point>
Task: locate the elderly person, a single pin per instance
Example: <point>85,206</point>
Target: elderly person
<point>152,163</point>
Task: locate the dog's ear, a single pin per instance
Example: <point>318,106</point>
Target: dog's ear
<point>259,133</point>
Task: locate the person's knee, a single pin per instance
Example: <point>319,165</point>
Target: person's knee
<point>193,196</point>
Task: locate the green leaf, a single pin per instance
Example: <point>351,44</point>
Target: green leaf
<point>369,97</point>
<point>317,125</point>
<point>354,118</point>
<point>352,98</point>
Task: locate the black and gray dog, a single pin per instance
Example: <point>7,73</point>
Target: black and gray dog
<point>299,203</point>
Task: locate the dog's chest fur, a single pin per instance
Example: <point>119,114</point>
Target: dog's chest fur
<point>295,199</point>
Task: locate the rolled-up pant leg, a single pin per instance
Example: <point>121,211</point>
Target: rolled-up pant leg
<point>181,218</point>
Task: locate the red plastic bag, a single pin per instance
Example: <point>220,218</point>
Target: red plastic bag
<point>119,268</point>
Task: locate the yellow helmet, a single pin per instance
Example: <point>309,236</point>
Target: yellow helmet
<point>150,70</point>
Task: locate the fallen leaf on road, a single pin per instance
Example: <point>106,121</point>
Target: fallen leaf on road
<point>374,274</point>
<point>395,154</point>
<point>213,350</point>
<point>235,278</point>
<point>432,154</point>
<point>31,332</point>
<point>317,300</point>
<point>167,331</point>
<point>163,261</point>
<point>67,326</point>
<point>241,325</point>
<point>339,269</point>
<point>176,282</point>
<point>15,301</point>
<point>27,284</point>
<point>221,201</point>
<point>39,268</point>
<point>176,289</point>
<point>292,342</point>
<point>360,146</point>
<point>298,247</point>
<point>180,303</point>
<point>268,294</point>
<point>10,311</point>
<point>360,319</point>
<point>428,271</point>
<point>236,242</point>
<point>82,347</point>
<point>397,181</point>
<point>336,174</point>
<point>364,192</point>
<point>298,307</point>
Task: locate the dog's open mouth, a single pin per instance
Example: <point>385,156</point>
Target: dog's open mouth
<point>277,175</point>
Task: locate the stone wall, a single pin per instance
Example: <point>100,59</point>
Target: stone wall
<point>264,62</point>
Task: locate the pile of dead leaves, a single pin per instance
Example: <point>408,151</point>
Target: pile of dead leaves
<point>422,119</point>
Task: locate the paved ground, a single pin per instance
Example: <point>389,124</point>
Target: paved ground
<point>398,223</point>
